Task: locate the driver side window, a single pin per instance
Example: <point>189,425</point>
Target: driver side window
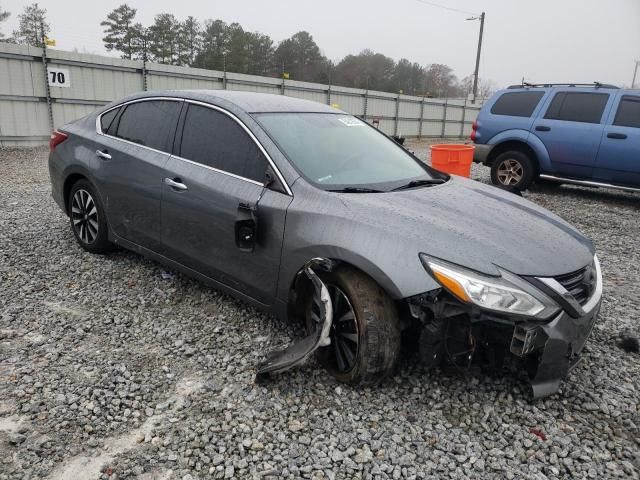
<point>211,138</point>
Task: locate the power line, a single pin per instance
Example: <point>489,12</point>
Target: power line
<point>451,9</point>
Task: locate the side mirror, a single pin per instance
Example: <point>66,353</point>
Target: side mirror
<point>246,227</point>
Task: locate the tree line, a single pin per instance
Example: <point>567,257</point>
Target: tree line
<point>218,45</point>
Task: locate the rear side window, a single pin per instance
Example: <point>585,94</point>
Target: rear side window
<point>215,140</point>
<point>628,114</point>
<point>150,123</point>
<point>577,107</point>
<point>517,104</point>
<point>107,119</point>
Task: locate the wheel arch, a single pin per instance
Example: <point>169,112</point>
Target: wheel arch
<point>300,285</point>
<point>69,182</point>
<point>71,176</point>
<point>517,145</point>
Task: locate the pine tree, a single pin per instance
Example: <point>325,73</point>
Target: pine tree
<point>190,41</point>
<point>31,26</point>
<point>163,37</point>
<point>119,31</point>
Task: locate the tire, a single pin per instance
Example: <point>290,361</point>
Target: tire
<point>513,169</point>
<point>376,327</point>
<point>87,218</point>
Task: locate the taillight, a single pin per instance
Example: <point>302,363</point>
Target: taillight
<point>474,128</point>
<point>57,138</point>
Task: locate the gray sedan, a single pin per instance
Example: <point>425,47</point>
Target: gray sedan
<point>310,213</point>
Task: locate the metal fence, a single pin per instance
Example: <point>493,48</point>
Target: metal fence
<point>41,92</point>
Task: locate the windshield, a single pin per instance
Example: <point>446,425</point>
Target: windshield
<point>335,151</point>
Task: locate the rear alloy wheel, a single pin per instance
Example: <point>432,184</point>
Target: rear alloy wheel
<point>512,169</point>
<point>84,215</point>
<point>365,332</point>
<point>87,218</point>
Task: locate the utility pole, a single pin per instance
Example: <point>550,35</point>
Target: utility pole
<point>635,74</point>
<point>475,74</point>
<point>46,74</point>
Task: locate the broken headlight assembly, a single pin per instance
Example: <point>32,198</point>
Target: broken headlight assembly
<point>506,294</point>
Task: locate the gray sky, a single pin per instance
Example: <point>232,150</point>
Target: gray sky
<point>544,41</point>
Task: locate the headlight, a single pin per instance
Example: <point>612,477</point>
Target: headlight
<point>506,293</point>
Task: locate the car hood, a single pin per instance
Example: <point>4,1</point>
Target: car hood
<point>477,226</point>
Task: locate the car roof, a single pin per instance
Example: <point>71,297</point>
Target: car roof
<point>250,102</point>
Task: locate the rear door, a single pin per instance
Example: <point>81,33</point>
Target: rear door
<point>571,128</point>
<point>218,167</point>
<point>619,155</point>
<point>132,154</point>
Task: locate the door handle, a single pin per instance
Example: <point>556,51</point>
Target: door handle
<point>175,183</point>
<point>543,128</point>
<point>617,136</point>
<point>104,154</point>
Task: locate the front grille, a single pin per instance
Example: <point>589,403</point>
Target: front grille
<point>580,284</point>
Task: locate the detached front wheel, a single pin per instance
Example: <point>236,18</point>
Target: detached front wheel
<point>365,333</point>
<point>513,169</point>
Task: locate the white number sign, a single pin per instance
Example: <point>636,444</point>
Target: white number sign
<point>59,77</point>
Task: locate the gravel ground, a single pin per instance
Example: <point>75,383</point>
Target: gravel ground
<point>111,367</point>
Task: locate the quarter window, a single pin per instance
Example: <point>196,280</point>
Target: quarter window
<point>107,119</point>
<point>150,123</point>
<point>517,104</point>
<point>628,114</point>
<point>213,139</point>
<point>577,107</point>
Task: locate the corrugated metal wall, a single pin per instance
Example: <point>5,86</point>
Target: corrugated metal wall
<point>96,80</point>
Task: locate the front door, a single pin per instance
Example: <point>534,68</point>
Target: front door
<point>219,168</point>
<point>131,156</point>
<point>619,155</point>
<point>571,129</point>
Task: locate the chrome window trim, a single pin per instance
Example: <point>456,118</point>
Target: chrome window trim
<point>251,135</point>
<point>207,105</point>
<point>217,170</point>
<point>135,100</point>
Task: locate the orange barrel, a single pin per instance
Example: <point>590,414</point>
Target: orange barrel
<point>452,158</point>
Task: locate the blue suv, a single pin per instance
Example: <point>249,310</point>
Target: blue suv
<point>564,133</point>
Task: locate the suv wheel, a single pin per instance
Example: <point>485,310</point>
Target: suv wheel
<point>88,220</point>
<point>513,169</point>
<point>365,333</point>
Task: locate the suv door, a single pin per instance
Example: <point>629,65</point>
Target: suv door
<point>618,159</point>
<point>219,166</point>
<point>131,157</point>
<point>571,129</point>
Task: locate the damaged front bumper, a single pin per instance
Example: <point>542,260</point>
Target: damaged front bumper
<point>556,346</point>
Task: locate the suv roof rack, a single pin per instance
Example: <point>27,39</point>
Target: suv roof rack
<point>594,84</point>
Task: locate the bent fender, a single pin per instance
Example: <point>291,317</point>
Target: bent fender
<point>299,351</point>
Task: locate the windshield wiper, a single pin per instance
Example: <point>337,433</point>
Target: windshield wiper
<point>356,190</point>
<point>419,183</point>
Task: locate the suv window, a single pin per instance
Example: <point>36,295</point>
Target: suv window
<point>517,104</point>
<point>577,107</point>
<point>107,119</point>
<point>628,114</point>
<point>150,123</point>
<point>213,139</point>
